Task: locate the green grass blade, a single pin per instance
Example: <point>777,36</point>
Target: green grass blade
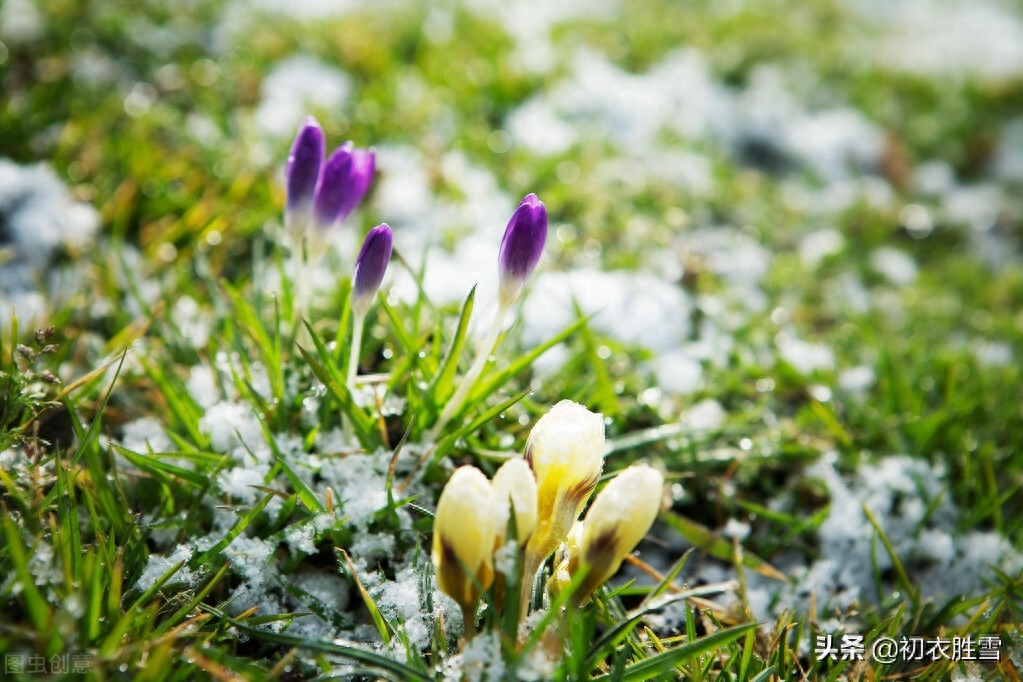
<point>319,646</point>
<point>709,542</point>
<point>235,531</point>
<point>448,442</point>
<point>443,383</point>
<point>663,664</point>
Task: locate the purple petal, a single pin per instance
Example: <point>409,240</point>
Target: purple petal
<point>371,264</point>
<point>523,242</point>
<point>343,183</point>
<point>334,188</point>
<point>303,168</point>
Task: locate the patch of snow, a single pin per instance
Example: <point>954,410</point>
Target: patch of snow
<point>234,429</point>
<point>856,381</point>
<point>38,219</point>
<point>21,22</point>
<point>145,434</point>
<point>157,565</point>
<point>804,356</point>
<point>251,558</point>
<point>191,321</point>
<point>896,266</point>
<point>951,38</point>
<point>202,386</point>
<point>634,308</point>
<point>706,415</point>
<point>297,85</point>
<point>992,353</point>
<point>816,246</point>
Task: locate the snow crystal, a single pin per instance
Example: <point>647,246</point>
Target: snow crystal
<point>896,266</point>
<point>250,558</point>
<point>144,435</point>
<point>482,660</point>
<point>234,429</point>
<point>300,538</point>
<point>239,482</point>
<point>158,565</point>
<point>202,386</point>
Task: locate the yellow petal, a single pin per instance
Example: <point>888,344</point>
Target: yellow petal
<point>565,450</point>
<point>464,530</point>
<point>514,484</point>
<point>619,517</point>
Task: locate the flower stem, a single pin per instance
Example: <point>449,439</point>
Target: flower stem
<point>358,323</point>
<point>530,565</point>
<point>469,620</point>
<point>469,380</point>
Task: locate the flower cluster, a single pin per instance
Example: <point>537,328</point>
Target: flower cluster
<point>540,497</point>
<point>320,194</point>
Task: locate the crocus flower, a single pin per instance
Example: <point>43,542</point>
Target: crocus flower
<point>344,181</point>
<point>619,517</point>
<point>516,490</point>
<point>325,191</point>
<point>464,529</point>
<point>302,174</point>
<point>370,267</point>
<point>565,450</point>
<point>521,247</point>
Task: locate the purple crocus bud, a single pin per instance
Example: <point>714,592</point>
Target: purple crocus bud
<point>343,182</point>
<point>521,246</point>
<point>370,267</point>
<point>302,173</point>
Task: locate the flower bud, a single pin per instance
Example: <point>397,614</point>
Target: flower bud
<point>516,489</point>
<point>565,450</point>
<point>464,529</point>
<point>619,517</point>
<point>370,267</point>
<point>521,246</point>
<point>301,174</point>
<point>343,183</point>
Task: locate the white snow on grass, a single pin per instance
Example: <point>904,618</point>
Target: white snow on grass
<point>896,266</point>
<point>297,85</point>
<point>39,219</point>
<point>234,429</point>
<point>816,246</point>
<point>806,357</point>
<point>632,307</point>
<point>948,37</point>
<point>144,435</point>
<point>909,499</point>
<point>158,564</point>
